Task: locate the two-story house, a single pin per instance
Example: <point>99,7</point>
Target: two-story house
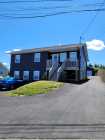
<point>59,63</point>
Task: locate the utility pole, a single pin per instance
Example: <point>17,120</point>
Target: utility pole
<point>80,39</point>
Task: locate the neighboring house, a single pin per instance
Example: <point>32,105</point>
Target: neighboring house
<point>90,71</point>
<point>3,70</point>
<point>59,63</point>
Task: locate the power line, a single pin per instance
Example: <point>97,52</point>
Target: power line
<point>91,22</point>
<point>33,1</point>
<point>49,7</point>
<point>36,7</point>
<point>47,15</point>
<point>45,11</point>
<point>89,25</point>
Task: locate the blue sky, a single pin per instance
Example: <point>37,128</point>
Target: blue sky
<point>61,29</point>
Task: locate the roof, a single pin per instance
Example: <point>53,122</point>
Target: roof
<point>56,48</point>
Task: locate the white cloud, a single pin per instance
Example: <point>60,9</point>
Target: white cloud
<point>5,64</point>
<point>7,51</point>
<point>17,50</point>
<point>96,45</point>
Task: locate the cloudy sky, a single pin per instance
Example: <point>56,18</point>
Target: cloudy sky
<point>61,29</point>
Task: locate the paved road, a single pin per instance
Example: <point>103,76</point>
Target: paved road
<point>74,111</point>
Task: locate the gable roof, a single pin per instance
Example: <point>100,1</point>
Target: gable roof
<point>56,48</point>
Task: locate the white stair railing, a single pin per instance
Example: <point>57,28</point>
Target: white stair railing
<point>60,70</point>
<point>48,64</point>
<point>53,69</point>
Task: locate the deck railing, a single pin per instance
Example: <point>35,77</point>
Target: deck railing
<point>68,64</point>
<point>71,63</point>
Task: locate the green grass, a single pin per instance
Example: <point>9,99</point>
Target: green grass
<point>40,87</point>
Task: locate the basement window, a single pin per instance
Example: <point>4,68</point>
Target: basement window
<point>26,75</point>
<point>36,75</point>
<point>16,74</point>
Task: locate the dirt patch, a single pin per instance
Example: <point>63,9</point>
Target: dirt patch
<point>101,73</point>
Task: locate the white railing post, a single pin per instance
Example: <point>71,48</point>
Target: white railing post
<point>48,64</point>
<point>60,70</point>
<point>53,69</point>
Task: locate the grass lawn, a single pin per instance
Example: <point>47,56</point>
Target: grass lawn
<point>40,87</point>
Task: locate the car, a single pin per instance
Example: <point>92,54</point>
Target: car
<point>10,83</point>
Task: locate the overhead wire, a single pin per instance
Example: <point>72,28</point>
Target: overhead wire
<point>32,1</point>
<point>91,21</point>
<point>50,7</point>
<point>46,11</point>
<point>51,14</point>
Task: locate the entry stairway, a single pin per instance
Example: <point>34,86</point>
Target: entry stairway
<point>56,71</point>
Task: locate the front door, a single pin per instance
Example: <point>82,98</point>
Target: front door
<point>55,58</point>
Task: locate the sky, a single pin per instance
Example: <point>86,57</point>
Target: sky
<point>54,30</point>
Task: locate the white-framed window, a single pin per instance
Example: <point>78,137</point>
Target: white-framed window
<point>55,58</point>
<point>37,57</point>
<point>63,56</point>
<point>73,56</point>
<point>36,75</point>
<point>26,75</point>
<point>17,58</point>
<point>17,74</point>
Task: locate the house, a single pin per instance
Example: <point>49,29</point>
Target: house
<point>59,63</point>
<point>3,70</point>
<point>90,71</point>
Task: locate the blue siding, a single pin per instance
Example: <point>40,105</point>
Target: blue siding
<point>89,72</point>
<point>83,65</point>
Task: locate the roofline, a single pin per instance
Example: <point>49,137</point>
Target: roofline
<point>54,48</point>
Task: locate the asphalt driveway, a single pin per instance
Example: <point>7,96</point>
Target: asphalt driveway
<point>74,111</point>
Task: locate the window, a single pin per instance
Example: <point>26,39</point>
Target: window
<point>36,75</point>
<point>17,58</point>
<point>63,57</point>
<point>73,56</point>
<point>16,74</point>
<point>37,57</point>
<point>26,75</point>
<point>55,58</point>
